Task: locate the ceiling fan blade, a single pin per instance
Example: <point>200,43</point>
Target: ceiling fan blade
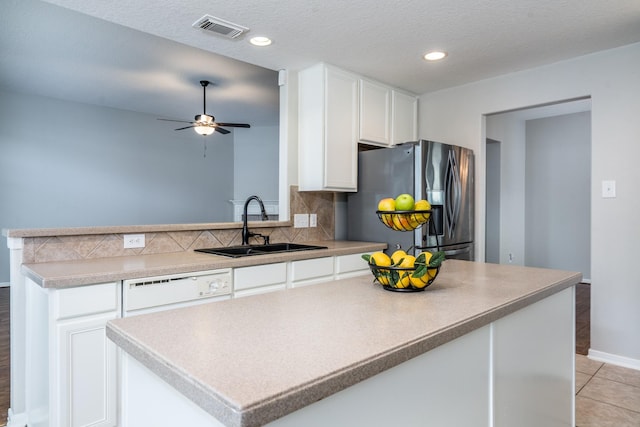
<point>178,121</point>
<point>234,125</point>
<point>222,131</point>
<point>186,127</point>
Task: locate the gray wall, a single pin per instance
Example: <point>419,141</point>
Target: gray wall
<point>256,158</point>
<point>557,193</point>
<point>509,129</point>
<point>492,241</point>
<point>610,78</point>
<point>66,164</point>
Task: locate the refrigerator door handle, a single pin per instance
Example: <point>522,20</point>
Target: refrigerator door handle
<point>454,252</point>
<point>452,193</point>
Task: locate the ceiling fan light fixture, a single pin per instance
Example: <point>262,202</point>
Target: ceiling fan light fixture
<point>204,124</point>
<point>204,119</point>
<point>204,130</point>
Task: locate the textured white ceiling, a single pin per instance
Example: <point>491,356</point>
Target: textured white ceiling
<point>382,39</point>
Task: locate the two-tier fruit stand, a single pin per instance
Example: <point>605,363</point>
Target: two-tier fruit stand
<point>394,278</point>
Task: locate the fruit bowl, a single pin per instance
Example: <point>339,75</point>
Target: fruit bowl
<point>404,220</point>
<point>399,279</point>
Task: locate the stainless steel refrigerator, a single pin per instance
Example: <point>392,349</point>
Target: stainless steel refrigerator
<point>443,174</point>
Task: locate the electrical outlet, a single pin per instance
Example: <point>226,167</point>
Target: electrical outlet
<point>301,221</point>
<point>133,241</point>
<point>313,220</point>
<point>510,258</point>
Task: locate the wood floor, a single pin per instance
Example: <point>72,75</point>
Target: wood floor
<point>583,298</point>
<point>583,318</point>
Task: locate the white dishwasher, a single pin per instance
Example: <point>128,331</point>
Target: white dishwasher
<point>151,294</point>
<point>158,293</point>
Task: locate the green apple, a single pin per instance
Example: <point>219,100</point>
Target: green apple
<point>405,202</point>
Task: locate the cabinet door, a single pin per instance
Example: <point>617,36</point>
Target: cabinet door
<point>351,266</point>
<point>311,271</point>
<point>375,113</point>
<point>341,131</point>
<point>267,277</point>
<point>404,118</point>
<point>86,371</point>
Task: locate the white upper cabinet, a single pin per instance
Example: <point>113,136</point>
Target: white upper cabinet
<point>404,122</point>
<point>336,110</point>
<point>375,113</point>
<point>328,129</point>
<point>387,116</point>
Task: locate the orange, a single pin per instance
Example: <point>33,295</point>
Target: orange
<point>381,277</point>
<point>405,275</point>
<point>404,281</point>
<point>419,282</point>
<point>398,256</point>
<point>408,261</point>
<point>401,222</point>
<point>387,219</point>
<point>422,205</point>
<point>387,204</point>
<point>427,257</point>
<point>414,220</point>
<point>381,259</point>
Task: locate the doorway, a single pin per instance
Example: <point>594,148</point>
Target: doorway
<point>538,204</point>
<point>539,187</point>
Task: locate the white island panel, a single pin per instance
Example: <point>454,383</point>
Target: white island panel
<point>534,364</point>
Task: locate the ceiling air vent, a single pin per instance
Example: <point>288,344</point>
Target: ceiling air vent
<point>220,26</point>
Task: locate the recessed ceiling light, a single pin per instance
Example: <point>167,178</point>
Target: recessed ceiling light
<point>435,55</point>
<point>260,41</point>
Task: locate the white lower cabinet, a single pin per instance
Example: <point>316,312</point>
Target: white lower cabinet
<point>351,265</point>
<point>311,271</point>
<point>71,367</point>
<point>86,370</point>
<point>259,279</point>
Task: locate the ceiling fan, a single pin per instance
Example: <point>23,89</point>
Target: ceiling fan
<point>205,124</point>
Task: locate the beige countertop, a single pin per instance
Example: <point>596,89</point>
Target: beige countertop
<point>76,231</point>
<point>63,274</point>
<point>248,366</point>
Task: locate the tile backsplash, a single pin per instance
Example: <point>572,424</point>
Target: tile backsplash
<point>67,248</point>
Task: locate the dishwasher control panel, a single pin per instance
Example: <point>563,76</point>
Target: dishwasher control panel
<point>176,288</point>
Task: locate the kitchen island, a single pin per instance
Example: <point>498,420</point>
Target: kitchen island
<point>484,345</point>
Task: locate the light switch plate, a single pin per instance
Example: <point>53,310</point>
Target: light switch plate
<point>301,221</point>
<point>608,189</point>
<point>313,220</point>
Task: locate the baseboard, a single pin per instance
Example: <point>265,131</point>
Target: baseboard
<point>5,284</point>
<point>614,359</point>
<point>16,420</point>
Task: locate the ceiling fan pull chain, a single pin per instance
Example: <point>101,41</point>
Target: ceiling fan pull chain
<point>204,150</point>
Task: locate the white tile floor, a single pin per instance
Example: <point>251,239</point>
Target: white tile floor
<point>606,395</point>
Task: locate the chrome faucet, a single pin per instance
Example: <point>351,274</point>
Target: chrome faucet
<point>246,234</point>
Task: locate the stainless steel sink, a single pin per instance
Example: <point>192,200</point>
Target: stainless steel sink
<point>250,250</point>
